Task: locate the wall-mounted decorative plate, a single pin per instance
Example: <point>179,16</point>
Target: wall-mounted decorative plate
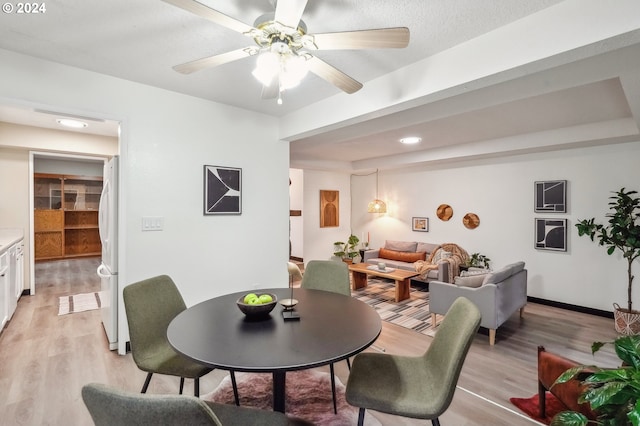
<point>471,220</point>
<point>444,212</point>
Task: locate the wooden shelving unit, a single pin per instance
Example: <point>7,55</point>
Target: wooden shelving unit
<point>66,216</point>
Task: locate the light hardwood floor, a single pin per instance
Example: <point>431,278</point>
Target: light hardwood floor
<point>45,358</point>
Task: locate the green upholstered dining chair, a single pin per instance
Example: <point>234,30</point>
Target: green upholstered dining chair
<point>109,406</point>
<point>420,387</point>
<point>150,306</point>
<point>328,275</point>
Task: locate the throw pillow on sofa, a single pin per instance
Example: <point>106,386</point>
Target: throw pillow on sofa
<point>401,256</point>
<point>470,281</point>
<point>401,246</point>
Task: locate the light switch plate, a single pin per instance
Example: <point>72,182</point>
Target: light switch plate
<point>152,223</point>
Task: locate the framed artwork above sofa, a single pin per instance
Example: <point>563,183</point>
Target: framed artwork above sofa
<point>420,224</point>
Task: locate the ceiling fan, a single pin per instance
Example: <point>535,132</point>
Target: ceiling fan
<point>284,47</point>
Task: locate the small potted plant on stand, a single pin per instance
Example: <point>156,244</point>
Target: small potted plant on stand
<point>347,250</point>
<point>613,393</point>
<point>478,260</point>
<point>623,233</point>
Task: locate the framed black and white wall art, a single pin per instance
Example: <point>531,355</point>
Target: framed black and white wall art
<point>551,196</point>
<point>222,190</point>
<point>551,234</point>
<point>420,224</point>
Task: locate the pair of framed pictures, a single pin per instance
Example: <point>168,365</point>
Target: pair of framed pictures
<point>551,197</point>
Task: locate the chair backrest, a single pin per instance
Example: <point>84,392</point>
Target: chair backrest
<point>327,275</point>
<point>294,271</point>
<point>150,306</point>
<point>109,406</point>
<point>446,354</point>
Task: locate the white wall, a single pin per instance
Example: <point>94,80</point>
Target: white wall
<point>318,242</point>
<point>296,202</point>
<point>166,140</point>
<point>500,192</point>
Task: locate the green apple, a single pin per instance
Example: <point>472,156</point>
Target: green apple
<point>254,301</point>
<point>265,298</point>
<point>249,297</point>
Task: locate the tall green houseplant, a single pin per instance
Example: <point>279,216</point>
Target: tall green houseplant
<point>622,231</point>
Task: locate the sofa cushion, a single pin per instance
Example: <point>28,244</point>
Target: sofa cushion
<point>470,281</point>
<point>409,246</point>
<point>503,273</point>
<point>401,255</point>
<point>427,247</point>
<point>475,271</point>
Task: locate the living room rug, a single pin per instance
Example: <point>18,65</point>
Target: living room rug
<point>530,407</point>
<point>78,303</point>
<point>308,396</point>
<point>412,313</point>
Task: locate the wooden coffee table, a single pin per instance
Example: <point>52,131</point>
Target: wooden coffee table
<point>360,272</point>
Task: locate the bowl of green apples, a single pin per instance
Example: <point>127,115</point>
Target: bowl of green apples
<point>255,305</point>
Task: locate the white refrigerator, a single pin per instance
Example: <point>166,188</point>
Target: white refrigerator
<point>108,269</point>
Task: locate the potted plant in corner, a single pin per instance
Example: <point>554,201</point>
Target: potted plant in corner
<point>623,233</point>
<point>347,250</point>
<point>613,393</point>
<point>477,260</point>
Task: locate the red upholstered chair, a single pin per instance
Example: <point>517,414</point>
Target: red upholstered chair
<point>550,367</point>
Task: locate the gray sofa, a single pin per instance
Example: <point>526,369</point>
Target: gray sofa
<point>403,255</point>
<point>498,294</point>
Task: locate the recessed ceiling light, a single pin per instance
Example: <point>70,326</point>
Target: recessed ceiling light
<point>74,124</point>
<point>411,140</point>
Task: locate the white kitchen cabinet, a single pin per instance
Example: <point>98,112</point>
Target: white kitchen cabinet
<point>11,272</point>
<point>4,287</point>
<point>11,292</point>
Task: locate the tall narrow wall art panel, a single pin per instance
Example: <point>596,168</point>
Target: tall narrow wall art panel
<point>222,190</point>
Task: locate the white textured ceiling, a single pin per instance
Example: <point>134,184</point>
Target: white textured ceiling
<point>141,40</point>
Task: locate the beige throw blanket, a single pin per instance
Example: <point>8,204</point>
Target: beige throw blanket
<point>458,257</point>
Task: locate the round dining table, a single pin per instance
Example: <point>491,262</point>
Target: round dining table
<point>331,327</point>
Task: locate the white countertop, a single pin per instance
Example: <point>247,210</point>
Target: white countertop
<point>9,236</point>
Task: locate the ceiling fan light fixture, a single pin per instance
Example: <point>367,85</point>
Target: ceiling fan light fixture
<point>294,69</point>
<point>267,67</point>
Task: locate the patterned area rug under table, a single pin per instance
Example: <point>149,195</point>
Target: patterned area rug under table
<point>412,313</point>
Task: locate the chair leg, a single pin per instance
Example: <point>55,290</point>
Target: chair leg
<point>146,383</point>
<point>361,416</point>
<point>234,384</point>
<point>542,400</point>
<point>196,387</point>
<point>333,389</point>
<point>181,385</point>
<point>435,422</point>
<point>492,336</point>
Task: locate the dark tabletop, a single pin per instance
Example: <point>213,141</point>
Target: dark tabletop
<point>332,327</point>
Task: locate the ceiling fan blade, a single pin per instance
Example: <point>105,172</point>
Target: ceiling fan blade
<point>289,12</point>
<point>212,61</point>
<point>333,75</point>
<point>365,39</point>
<point>271,91</point>
<point>211,14</point>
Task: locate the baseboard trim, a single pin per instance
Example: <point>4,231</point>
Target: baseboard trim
<point>297,259</point>
<point>570,307</point>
